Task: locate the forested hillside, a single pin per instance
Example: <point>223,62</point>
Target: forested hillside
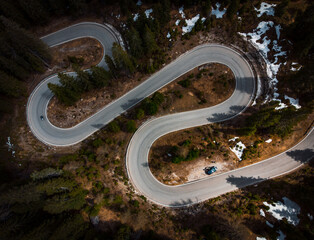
<point>57,195</point>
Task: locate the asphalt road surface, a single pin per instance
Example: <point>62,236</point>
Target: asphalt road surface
<point>138,149</point>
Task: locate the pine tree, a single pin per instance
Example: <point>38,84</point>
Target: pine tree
<point>10,86</point>
<point>34,10</point>
<point>206,8</point>
<point>99,77</point>
<point>135,43</point>
<point>73,200</point>
<point>149,41</point>
<point>112,67</point>
<point>11,11</point>
<point>84,80</point>
<point>233,8</point>
<point>121,59</point>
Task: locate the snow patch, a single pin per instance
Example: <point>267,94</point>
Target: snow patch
<point>269,140</point>
<point>288,210</point>
<point>293,102</point>
<point>177,22</point>
<point>10,147</point>
<point>190,24</point>
<point>233,139</point>
<point>310,216</point>
<point>262,213</point>
<point>266,8</point>
<point>278,28</point>
<point>139,3</point>
<point>281,236</point>
<point>168,35</point>
<point>148,12</point>
<point>269,224</point>
<point>261,42</point>
<point>295,67</point>
<point>135,17</point>
<point>181,11</point>
<point>217,12</point>
<point>238,150</point>
<point>260,238</point>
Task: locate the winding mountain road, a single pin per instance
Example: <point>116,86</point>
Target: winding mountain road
<point>139,146</point>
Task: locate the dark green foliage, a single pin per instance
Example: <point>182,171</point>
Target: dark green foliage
<point>140,113</point>
<point>161,12</point>
<point>114,126</point>
<point>281,8</point>
<point>36,207</point>
<point>192,154</point>
<point>70,88</point>
<point>185,83</point>
<point>98,142</point>
<point>233,8</point>
<point>112,67</point>
<point>186,143</point>
<point>271,121</point>
<point>131,126</point>
<point>206,8</point>
<point>99,77</point>
<point>124,233</point>
<point>150,44</point>
<point>150,107</point>
<point>158,98</point>
<point>301,32</point>
<point>302,83</point>
<point>76,61</point>
<point>209,234</point>
<point>20,55</point>
<point>135,43</point>
<point>121,59</point>
<point>46,173</point>
<point>66,93</point>
<point>10,86</point>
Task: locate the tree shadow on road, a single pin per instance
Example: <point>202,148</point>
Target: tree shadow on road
<point>131,103</point>
<point>241,182</point>
<point>181,203</point>
<point>301,155</point>
<point>233,111</point>
<point>98,126</point>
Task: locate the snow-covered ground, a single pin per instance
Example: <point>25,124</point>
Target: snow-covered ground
<point>148,12</point>
<point>238,148</point>
<point>10,147</point>
<point>262,213</point>
<point>260,238</point>
<point>278,28</point>
<point>269,140</point>
<point>295,67</point>
<point>216,12</point>
<point>288,209</point>
<point>293,102</point>
<point>190,24</point>
<point>281,236</point>
<point>269,224</point>
<point>135,17</point>
<point>181,11</point>
<point>233,139</point>
<point>266,8</point>
<point>261,42</point>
